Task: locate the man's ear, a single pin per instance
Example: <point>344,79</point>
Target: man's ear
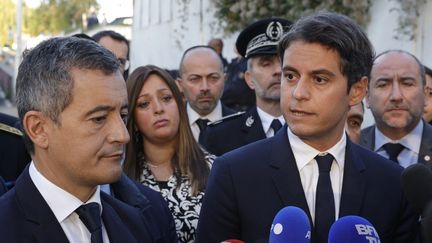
<point>358,91</point>
<point>248,79</point>
<point>35,124</point>
<point>179,81</point>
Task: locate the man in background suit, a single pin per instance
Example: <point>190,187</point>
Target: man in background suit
<point>202,82</point>
<point>72,103</point>
<point>326,59</point>
<point>258,44</point>
<point>13,154</point>
<point>396,98</point>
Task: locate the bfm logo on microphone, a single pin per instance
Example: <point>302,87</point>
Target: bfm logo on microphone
<point>368,231</point>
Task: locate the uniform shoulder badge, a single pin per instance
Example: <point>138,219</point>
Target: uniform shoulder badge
<point>249,121</point>
<point>9,129</point>
<point>226,118</point>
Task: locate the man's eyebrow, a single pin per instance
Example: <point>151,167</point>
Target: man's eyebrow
<point>324,71</point>
<point>99,109</point>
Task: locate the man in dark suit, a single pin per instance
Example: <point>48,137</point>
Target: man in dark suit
<point>13,154</point>
<point>202,82</point>
<point>396,98</point>
<point>263,76</point>
<point>311,164</point>
<point>72,102</point>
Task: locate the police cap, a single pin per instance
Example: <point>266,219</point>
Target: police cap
<point>262,37</point>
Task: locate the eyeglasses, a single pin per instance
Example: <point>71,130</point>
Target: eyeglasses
<point>124,63</point>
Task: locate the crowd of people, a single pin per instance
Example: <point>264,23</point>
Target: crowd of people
<point>213,151</point>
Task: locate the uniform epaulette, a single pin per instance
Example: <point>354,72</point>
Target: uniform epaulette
<point>9,129</point>
<point>226,118</point>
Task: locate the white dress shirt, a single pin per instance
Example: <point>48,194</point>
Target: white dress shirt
<point>411,142</point>
<point>305,155</point>
<point>215,115</point>
<point>266,120</point>
<point>63,205</point>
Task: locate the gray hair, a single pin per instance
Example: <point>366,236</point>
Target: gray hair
<point>44,81</point>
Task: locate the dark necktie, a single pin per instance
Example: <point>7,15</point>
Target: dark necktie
<point>393,150</point>
<point>324,204</point>
<point>202,124</point>
<point>276,125</point>
<point>90,216</point>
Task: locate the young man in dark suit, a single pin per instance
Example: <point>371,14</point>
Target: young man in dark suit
<point>326,59</point>
<point>396,97</point>
<point>72,103</point>
<point>257,43</point>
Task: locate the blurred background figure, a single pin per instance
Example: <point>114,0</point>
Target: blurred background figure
<point>427,115</point>
<point>237,94</point>
<point>217,45</point>
<point>118,45</point>
<point>354,122</point>
<point>163,153</point>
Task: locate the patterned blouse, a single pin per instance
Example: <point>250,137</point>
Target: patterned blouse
<point>184,207</point>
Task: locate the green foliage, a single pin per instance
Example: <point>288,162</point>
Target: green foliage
<point>7,21</point>
<point>236,14</point>
<point>56,16</point>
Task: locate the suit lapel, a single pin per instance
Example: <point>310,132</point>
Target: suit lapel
<point>117,231</point>
<point>367,138</point>
<point>354,183</point>
<point>39,216</point>
<point>252,127</point>
<point>425,152</point>
<point>285,174</point>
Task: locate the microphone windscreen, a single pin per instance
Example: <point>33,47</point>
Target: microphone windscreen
<point>353,229</point>
<point>291,224</point>
<point>232,241</point>
<point>417,185</point>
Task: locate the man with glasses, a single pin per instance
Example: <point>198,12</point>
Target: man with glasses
<point>118,45</point>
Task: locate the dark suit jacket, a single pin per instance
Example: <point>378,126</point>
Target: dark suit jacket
<point>234,133</point>
<point>367,140</point>
<point>26,217</point>
<point>13,154</point>
<point>248,186</point>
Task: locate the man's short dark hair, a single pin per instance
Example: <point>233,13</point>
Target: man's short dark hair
<point>338,33</point>
<point>112,34</point>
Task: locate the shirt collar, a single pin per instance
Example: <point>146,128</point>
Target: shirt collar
<point>61,202</point>
<point>411,141</point>
<point>304,153</point>
<point>215,115</point>
<point>266,119</point>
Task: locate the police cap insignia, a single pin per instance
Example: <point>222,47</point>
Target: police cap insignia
<point>262,37</point>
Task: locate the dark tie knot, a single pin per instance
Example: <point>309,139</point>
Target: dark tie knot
<point>202,124</point>
<point>90,216</point>
<point>393,150</point>
<point>276,125</point>
<point>324,162</point>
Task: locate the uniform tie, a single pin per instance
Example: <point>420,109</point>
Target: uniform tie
<point>90,216</point>
<point>202,124</point>
<point>276,125</point>
<point>324,204</point>
<point>393,150</point>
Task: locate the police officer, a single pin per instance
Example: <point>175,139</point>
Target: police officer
<point>258,44</point>
<point>13,154</point>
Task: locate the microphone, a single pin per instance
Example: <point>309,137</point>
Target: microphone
<point>290,225</point>
<point>353,229</point>
<point>232,241</point>
<point>417,185</point>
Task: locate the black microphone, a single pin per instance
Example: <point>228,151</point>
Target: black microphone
<point>417,185</point>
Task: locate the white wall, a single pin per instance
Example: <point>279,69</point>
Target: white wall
<point>160,35</point>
